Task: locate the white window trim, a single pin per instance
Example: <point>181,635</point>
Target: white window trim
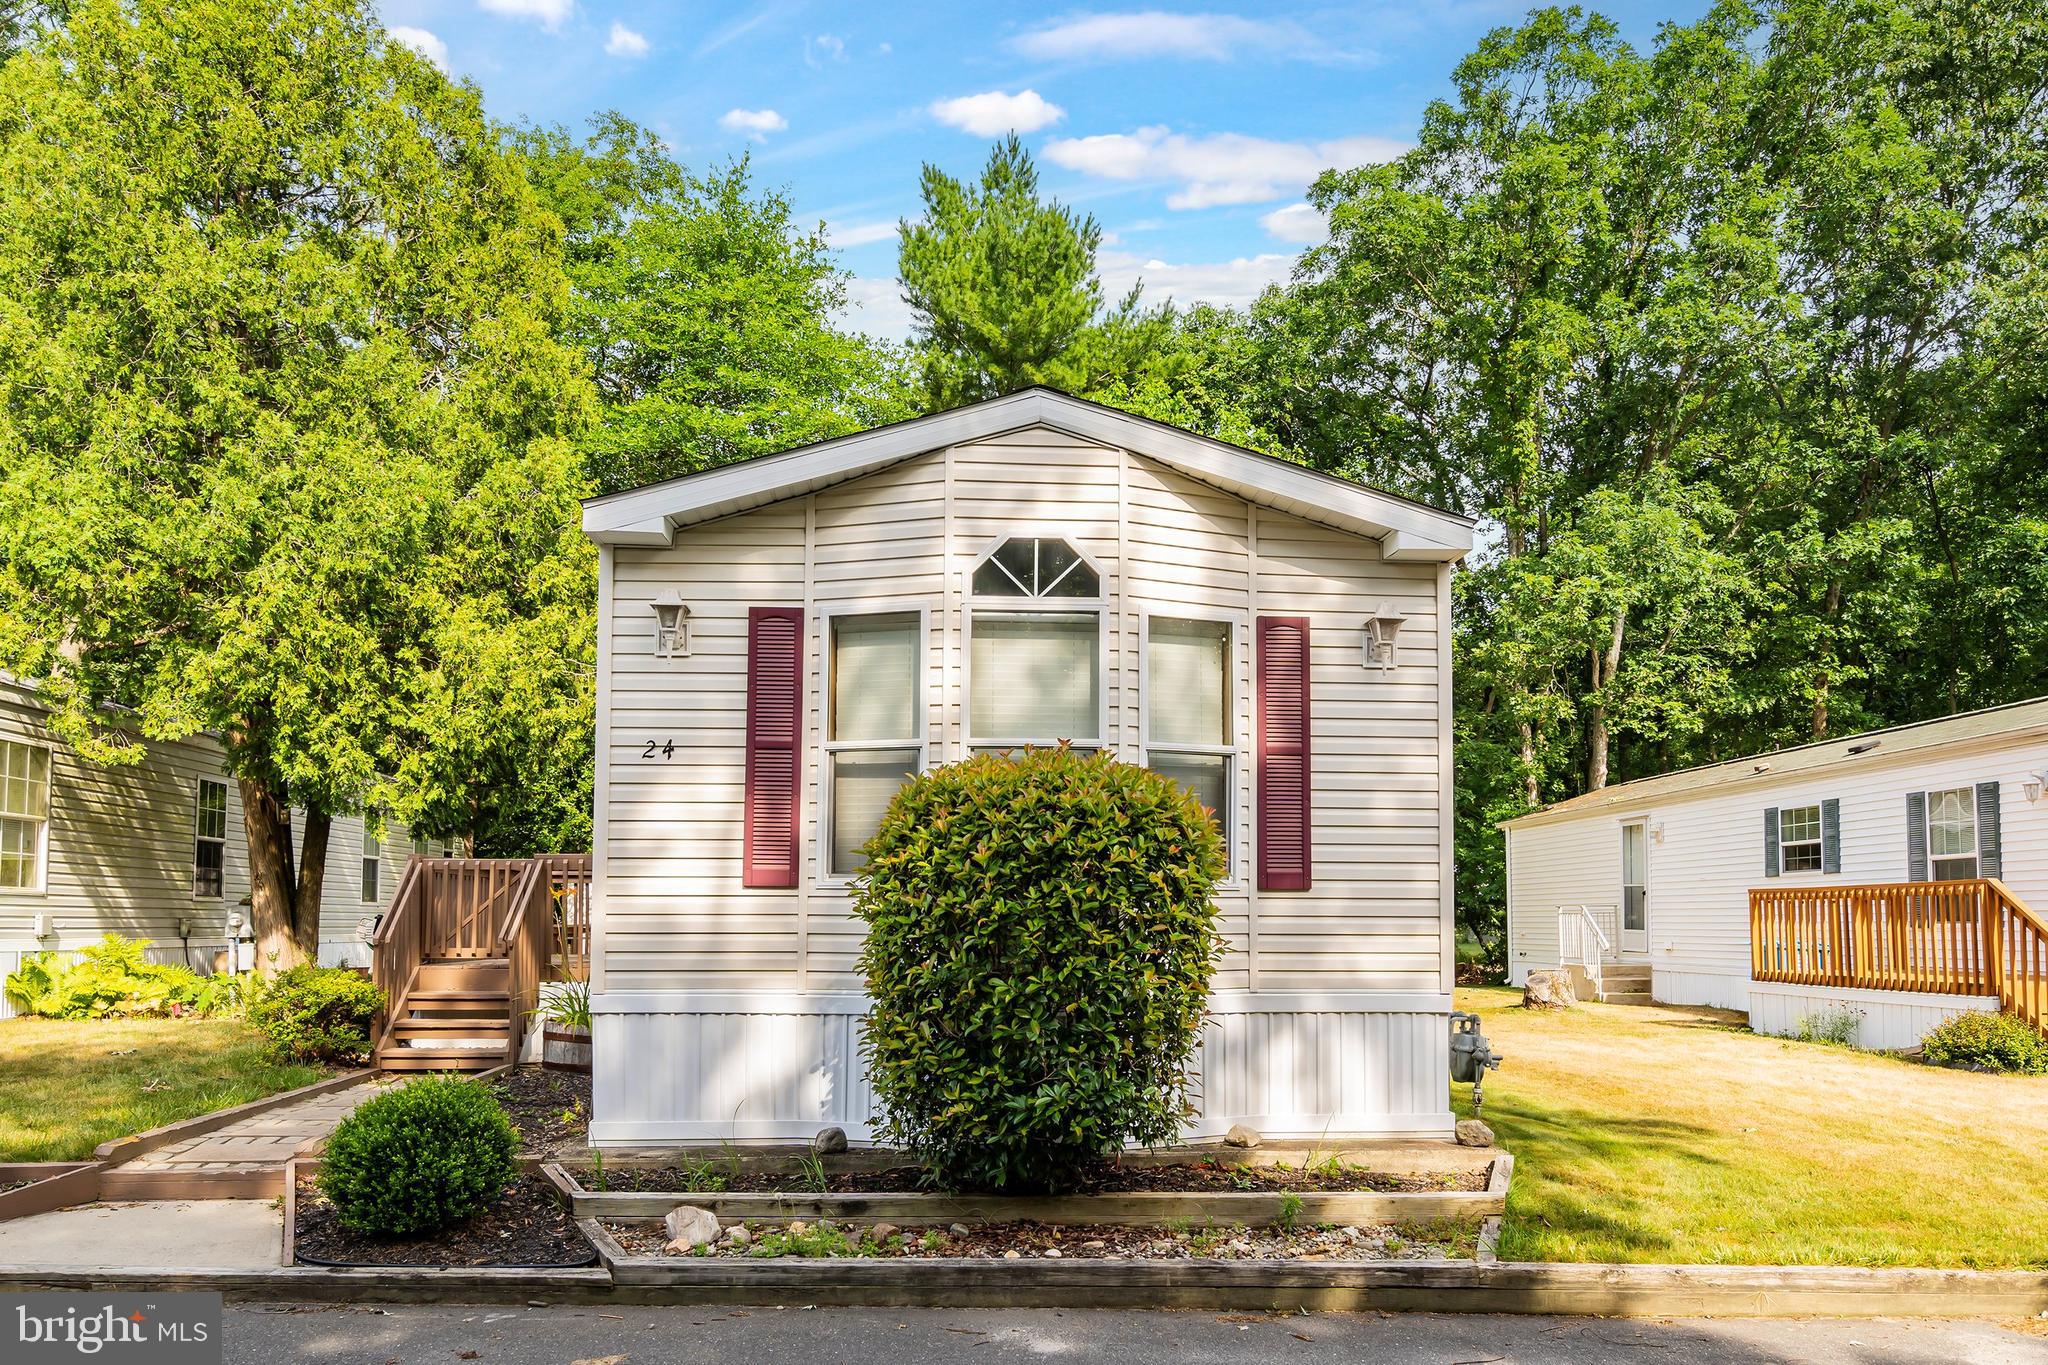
<point>1976,853</point>
<point>364,866</point>
<point>42,883</point>
<point>1238,751</point>
<point>824,879</point>
<point>1818,842</point>
<point>971,602</point>
<point>198,789</point>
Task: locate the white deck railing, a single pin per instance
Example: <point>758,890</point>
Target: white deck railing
<point>1585,938</point>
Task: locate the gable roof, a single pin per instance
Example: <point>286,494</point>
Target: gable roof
<point>1406,530</point>
<point>1872,746</point>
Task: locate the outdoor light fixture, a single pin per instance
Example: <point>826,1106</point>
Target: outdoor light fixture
<point>2032,784</point>
<point>671,626</point>
<point>1380,629</point>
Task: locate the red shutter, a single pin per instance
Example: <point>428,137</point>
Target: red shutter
<point>1283,753</point>
<point>775,725</point>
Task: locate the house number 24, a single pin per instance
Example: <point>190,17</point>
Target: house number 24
<point>656,749</point>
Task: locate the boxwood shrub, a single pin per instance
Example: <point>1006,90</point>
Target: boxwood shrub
<point>1981,1041</point>
<point>1040,937</point>
<point>419,1158</point>
<point>317,1014</point>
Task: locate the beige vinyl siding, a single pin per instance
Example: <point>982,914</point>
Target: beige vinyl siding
<point>674,916</point>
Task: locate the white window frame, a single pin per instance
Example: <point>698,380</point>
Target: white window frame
<point>972,602</point>
<point>371,841</point>
<point>1817,843</point>
<point>824,878</point>
<point>42,882</point>
<point>1976,853</point>
<point>199,790</point>
<point>1238,750</point>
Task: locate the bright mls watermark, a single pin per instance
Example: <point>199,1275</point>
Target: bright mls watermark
<point>118,1329</point>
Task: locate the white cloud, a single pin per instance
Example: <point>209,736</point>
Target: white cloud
<point>1296,223</point>
<point>826,47</point>
<point>549,14</point>
<point>993,113</point>
<point>1232,284</point>
<point>1224,168</point>
<point>1154,33</point>
<point>422,42</point>
<point>876,307</point>
<point>755,123</point>
<point>859,234</point>
<point>624,42</point>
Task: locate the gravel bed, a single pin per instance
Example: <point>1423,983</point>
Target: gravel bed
<point>1200,1176</point>
<point>825,1240</point>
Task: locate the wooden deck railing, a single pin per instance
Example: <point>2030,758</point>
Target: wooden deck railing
<point>1948,938</point>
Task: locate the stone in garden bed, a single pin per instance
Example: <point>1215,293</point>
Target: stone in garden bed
<point>799,1239</point>
<point>528,1227</point>
<point>551,1109</point>
<point>1202,1175</point>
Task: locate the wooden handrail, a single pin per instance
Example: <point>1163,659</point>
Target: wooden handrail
<point>1951,938</point>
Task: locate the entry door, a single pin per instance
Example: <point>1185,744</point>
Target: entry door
<point>1635,900</point>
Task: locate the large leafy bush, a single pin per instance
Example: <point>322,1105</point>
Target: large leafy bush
<point>1980,1041</point>
<point>114,978</point>
<point>317,1014</point>
<point>1041,935</point>
<point>419,1158</point>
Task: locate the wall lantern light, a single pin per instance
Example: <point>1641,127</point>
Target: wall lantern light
<point>1381,628</point>
<point>671,625</point>
<point>2032,784</point>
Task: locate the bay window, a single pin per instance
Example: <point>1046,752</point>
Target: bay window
<point>874,726</point>
<point>1188,713</point>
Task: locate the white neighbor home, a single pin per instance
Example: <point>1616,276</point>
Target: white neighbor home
<point>783,641</point>
<point>1665,866</point>
<point>153,850</point>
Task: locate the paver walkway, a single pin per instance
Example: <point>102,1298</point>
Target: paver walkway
<point>252,1150</point>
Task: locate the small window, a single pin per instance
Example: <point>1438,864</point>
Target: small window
<point>874,735</point>
<point>1952,834</point>
<point>1030,567</point>
<point>210,841</point>
<point>372,849</point>
<point>1037,679</point>
<point>1799,839</point>
<point>1187,711</point>
<point>24,813</point>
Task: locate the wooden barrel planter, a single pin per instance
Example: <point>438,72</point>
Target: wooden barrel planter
<point>565,1049</point>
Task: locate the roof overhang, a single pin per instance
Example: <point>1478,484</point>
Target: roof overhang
<point>1408,532</point>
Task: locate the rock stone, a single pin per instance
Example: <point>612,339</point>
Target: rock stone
<point>882,1232</point>
<point>690,1227</point>
<point>828,1141</point>
<point>798,1227</point>
<point>1548,990</point>
<point>739,1235</point>
<point>1474,1133</point>
<point>1012,1254</point>
<point>1241,1135</point>
<point>1052,1253</point>
<point>959,1229</point>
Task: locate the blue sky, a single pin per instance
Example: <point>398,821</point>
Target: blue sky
<point>1190,134</point>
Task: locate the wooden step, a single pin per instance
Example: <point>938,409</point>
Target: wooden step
<point>439,1058</point>
<point>487,974</point>
<point>446,1026</point>
<point>1614,997</point>
<point>436,1002</point>
<point>243,1181</point>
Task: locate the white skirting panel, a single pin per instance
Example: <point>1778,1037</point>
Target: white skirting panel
<point>695,1066</point>
<point>1720,990</point>
<point>1891,1019</point>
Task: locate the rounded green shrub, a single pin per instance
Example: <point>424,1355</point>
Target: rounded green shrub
<point>317,1014</point>
<point>1980,1041</point>
<point>1041,932</point>
<point>419,1158</point>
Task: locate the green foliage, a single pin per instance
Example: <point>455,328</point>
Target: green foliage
<point>317,1014</point>
<point>1005,293</point>
<point>1837,1025</point>
<point>1040,938</point>
<point>419,1158</point>
<point>566,1003</point>
<point>1982,1041</point>
<point>114,978</point>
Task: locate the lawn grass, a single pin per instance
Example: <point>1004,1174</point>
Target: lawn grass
<point>67,1086</point>
<point>1671,1134</point>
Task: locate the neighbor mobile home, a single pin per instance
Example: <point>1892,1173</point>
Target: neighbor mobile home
<point>1833,875</point>
<point>783,642</point>
<point>152,850</point>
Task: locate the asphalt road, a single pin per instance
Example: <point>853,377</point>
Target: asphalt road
<point>272,1335</point>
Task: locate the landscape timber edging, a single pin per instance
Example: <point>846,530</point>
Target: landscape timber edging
<point>117,1150</point>
<point>1393,1286</point>
<point>53,1185</point>
<point>1147,1208</point>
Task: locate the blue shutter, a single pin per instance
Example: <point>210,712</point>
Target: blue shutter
<point>1831,835</point>
<point>1771,859</point>
<point>1989,861</point>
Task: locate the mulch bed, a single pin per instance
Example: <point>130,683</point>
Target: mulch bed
<point>1039,1241</point>
<point>551,1109</point>
<point>1201,1176</point>
<point>529,1227</point>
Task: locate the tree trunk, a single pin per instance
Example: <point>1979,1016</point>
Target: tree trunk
<point>284,900</point>
<point>1529,788</point>
<point>1605,666</point>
